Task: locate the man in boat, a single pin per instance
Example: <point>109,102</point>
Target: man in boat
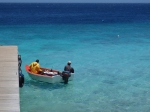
<point>39,70</point>
<point>35,67</point>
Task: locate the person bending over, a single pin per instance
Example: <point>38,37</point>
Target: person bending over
<point>35,67</point>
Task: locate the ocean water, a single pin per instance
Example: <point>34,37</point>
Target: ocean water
<point>108,44</point>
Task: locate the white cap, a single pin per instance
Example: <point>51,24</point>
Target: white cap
<point>69,61</point>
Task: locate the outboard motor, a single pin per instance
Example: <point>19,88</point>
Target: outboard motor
<point>65,76</point>
<point>21,76</point>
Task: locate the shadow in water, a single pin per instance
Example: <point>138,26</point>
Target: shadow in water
<point>44,85</point>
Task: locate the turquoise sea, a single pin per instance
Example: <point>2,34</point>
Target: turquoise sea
<point>111,59</point>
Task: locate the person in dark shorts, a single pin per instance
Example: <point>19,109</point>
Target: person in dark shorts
<point>67,72</point>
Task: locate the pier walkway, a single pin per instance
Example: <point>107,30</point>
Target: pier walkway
<point>9,81</point>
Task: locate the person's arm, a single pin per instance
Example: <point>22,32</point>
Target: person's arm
<point>72,70</point>
<point>38,67</point>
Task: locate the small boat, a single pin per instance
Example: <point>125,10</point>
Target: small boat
<point>50,76</point>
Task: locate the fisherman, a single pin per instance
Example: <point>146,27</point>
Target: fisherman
<point>68,67</point>
<point>35,67</point>
<point>67,72</point>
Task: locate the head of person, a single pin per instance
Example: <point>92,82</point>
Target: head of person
<point>69,63</point>
<point>37,61</point>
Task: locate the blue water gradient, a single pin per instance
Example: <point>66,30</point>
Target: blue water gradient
<point>111,72</point>
<point>111,62</point>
